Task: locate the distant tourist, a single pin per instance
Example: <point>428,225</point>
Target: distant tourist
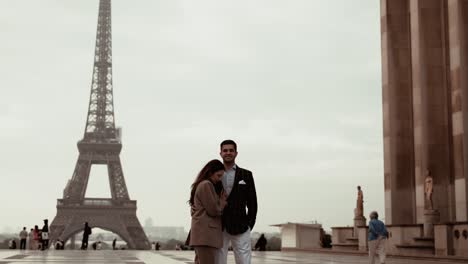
<point>114,244</point>
<point>261,243</point>
<point>86,232</point>
<point>377,237</point>
<point>36,237</point>
<point>325,239</point>
<point>31,239</point>
<point>240,214</point>
<point>12,244</point>
<point>45,235</point>
<point>206,234</point>
<point>59,244</point>
<point>23,237</point>
<point>94,245</point>
<point>157,246</point>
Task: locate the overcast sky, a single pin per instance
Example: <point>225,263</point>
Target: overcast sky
<point>296,83</point>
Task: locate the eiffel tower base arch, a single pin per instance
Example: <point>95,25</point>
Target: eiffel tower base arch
<point>121,220</point>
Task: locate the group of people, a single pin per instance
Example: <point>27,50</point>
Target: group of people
<point>223,203</point>
<point>37,239</point>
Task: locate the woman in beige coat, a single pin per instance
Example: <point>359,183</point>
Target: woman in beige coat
<point>206,234</point>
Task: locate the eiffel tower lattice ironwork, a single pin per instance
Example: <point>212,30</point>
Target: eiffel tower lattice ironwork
<point>101,144</point>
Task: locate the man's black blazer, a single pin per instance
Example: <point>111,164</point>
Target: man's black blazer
<point>236,219</point>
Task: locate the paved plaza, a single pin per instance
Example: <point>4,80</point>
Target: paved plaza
<point>182,257</point>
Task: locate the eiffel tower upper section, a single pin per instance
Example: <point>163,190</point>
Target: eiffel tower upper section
<point>100,126</point>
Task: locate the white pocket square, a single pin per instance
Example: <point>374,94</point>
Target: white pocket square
<point>242,182</point>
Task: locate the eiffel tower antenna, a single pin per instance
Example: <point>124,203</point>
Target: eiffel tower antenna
<point>101,144</point>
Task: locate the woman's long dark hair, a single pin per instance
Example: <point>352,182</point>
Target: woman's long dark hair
<point>211,167</point>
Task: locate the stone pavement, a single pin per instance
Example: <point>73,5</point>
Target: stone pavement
<point>182,257</point>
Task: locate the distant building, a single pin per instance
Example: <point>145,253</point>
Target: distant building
<point>300,235</point>
<point>149,222</point>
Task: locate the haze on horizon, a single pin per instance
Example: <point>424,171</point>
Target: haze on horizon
<point>297,84</point>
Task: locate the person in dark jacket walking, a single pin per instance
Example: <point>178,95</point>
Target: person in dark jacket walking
<point>261,243</point>
<point>240,214</point>
<point>45,235</point>
<point>86,233</point>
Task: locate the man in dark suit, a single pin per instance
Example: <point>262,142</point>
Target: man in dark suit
<point>240,213</point>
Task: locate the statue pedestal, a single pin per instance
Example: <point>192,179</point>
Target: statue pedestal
<point>430,218</point>
<point>358,221</point>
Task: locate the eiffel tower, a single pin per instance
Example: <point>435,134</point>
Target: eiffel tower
<point>101,144</point>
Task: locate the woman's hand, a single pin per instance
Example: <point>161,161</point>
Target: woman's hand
<point>222,199</point>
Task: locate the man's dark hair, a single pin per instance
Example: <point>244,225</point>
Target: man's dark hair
<point>229,142</point>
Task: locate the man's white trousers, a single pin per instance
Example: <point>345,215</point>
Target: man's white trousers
<point>241,245</point>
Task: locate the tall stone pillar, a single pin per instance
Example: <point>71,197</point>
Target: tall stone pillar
<point>431,105</point>
<point>457,21</point>
<point>397,111</point>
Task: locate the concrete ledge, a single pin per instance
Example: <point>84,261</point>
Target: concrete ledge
<point>345,246</point>
<point>426,241</point>
<point>452,223</point>
<point>414,246</point>
<point>456,259</point>
<point>406,225</point>
<point>423,239</point>
<point>415,250</point>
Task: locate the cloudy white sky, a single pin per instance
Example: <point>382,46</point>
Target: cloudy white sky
<point>296,83</point>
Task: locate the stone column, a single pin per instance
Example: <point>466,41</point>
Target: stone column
<point>457,21</point>
<point>397,112</point>
<point>443,241</point>
<point>430,105</point>
<point>431,217</point>
<point>359,221</point>
<point>362,235</point>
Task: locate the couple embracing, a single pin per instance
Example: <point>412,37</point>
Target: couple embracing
<point>223,204</point>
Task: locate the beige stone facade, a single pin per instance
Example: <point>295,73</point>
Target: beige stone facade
<point>303,236</point>
<point>425,105</point>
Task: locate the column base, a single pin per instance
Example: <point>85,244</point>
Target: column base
<point>358,221</point>
<point>431,217</point>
